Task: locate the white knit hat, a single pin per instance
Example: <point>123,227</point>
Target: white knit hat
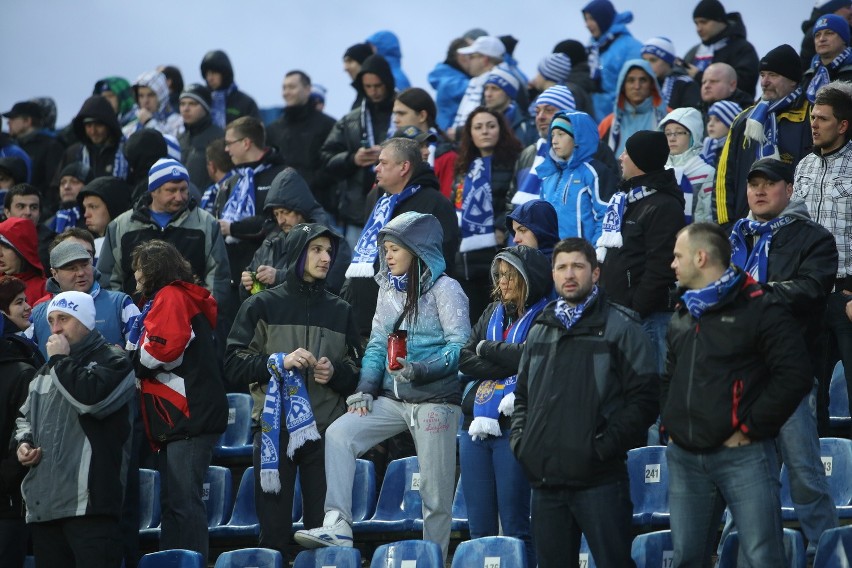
<point>78,305</point>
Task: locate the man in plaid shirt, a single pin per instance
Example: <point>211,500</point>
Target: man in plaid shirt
<point>824,181</point>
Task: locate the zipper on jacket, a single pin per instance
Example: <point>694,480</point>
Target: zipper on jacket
<point>737,396</point>
<point>821,187</point>
<point>628,279</point>
<point>567,186</point>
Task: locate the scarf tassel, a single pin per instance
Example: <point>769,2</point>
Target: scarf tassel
<point>270,482</point>
<point>300,437</point>
<point>482,427</point>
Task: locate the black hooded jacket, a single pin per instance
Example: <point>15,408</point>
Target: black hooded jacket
<point>499,359</point>
<point>101,158</point>
<point>238,103</point>
<point>193,149</point>
<point>738,53</point>
<point>351,133</point>
<point>639,274</point>
<point>113,191</point>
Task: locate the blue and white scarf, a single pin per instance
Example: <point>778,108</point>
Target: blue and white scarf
<point>399,283</point>
<point>241,201</point>
<point>755,262</point>
<point>476,214</point>
<point>136,327</point>
<point>570,315</point>
<point>699,301</point>
<point>761,125</point>
<point>219,108</point>
<point>712,149</point>
<point>65,218</point>
<point>208,199</point>
<point>614,217</point>
<point>367,247</point>
<point>595,49</point>
<point>705,53</point>
<point>668,86</point>
<point>494,397</point>
<point>286,391</point>
<point>822,72</point>
<point>367,125</point>
<point>529,184</point>
<point>120,167</point>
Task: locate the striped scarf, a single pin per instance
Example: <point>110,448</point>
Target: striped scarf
<point>705,53</point>
<point>614,217</point>
<point>762,127</point>
<point>755,262</point>
<point>570,315</point>
<point>219,109</point>
<point>120,167</point>
<point>208,199</point>
<point>65,218</point>
<point>241,201</point>
<point>475,208</point>
<point>528,182</point>
<point>822,73</point>
<point>699,301</point>
<point>712,149</point>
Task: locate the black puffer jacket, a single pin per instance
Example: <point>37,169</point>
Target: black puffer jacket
<point>742,366</point>
<point>738,53</point>
<point>349,134</point>
<point>639,274</point>
<point>500,359</point>
<point>585,396</point>
<point>238,103</point>
<point>193,149</point>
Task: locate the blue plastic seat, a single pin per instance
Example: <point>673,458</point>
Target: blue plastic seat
<point>652,550</point>
<point>510,551</point>
<point>425,553</point>
<point>835,548</point>
<point>363,495</point>
<point>337,556</point>
<point>217,495</point>
<point>836,456</point>
<point>399,504</point>
<point>236,439</point>
<point>149,499</point>
<point>794,546</point>
<point>243,521</point>
<point>649,484</point>
<point>838,405</point>
<point>250,558</point>
<point>173,559</point>
<point>586,560</point>
<point>460,517</point>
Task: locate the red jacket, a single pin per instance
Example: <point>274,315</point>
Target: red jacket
<point>20,235</point>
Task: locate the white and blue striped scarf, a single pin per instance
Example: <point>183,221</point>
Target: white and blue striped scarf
<point>494,397</point>
<point>286,391</point>
<point>476,215</point>
<point>614,217</point>
<point>367,247</point>
<point>705,53</point>
<point>120,167</point>
<point>668,86</point>
<point>570,315</point>
<point>219,108</point>
<point>712,149</point>
<point>208,199</point>
<point>241,201</point>
<point>755,262</point>
<point>822,72</point>
<point>762,127</point>
<point>65,218</point>
<point>699,301</point>
<point>529,184</point>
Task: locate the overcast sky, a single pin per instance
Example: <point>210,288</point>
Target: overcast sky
<point>59,48</point>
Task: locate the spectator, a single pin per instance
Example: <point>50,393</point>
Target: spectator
<point>174,80</point>
<point>19,256</point>
<point>8,149</point>
<point>153,107</point>
<point>119,94</point>
<point>24,200</point>
<point>534,224</point>
<point>72,178</point>
<point>842,8</point>
<point>719,119</point>
<point>229,102</point>
<point>13,171</point>
<point>353,58</point>
<point>833,60</point>
<point>553,69</point>
<point>101,201</point>
<point>580,79</point>
<point>677,88</point>
<point>100,141</point>
<point>173,344</point>
<point>450,79</point>
<point>45,151</point>
<point>199,131</point>
<point>16,313</point>
<point>220,167</point>
<point>499,93</point>
<point>719,83</point>
<point>143,149</point>
<point>684,132</point>
<point>386,44</point>
<point>483,55</point>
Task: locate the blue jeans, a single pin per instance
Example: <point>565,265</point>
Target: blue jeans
<point>656,325</point>
<point>603,513</point>
<point>494,484</point>
<point>700,484</point>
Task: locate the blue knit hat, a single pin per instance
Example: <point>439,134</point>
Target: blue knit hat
<point>661,47</point>
<point>558,96</point>
<point>504,80</point>
<point>165,170</point>
<point>561,123</point>
<point>725,111</point>
<point>555,67</point>
<point>834,23</point>
<point>602,12</point>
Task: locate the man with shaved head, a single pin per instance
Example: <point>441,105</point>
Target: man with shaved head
<point>719,83</point>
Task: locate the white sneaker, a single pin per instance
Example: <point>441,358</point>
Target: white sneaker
<point>334,532</point>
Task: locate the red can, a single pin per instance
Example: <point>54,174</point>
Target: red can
<point>396,348</point>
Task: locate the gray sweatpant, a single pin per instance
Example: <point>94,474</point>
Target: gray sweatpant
<point>433,427</point>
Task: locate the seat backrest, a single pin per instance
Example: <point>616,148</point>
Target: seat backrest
<point>364,491</point>
<point>216,493</point>
<point>297,499</point>
<point>586,560</point>
<point>400,494</point>
<point>238,432</point>
<point>172,559</point>
<point>491,551</point>
<point>653,550</point>
<point>149,498</point>
<point>337,556</point>
<point>649,479</point>
<point>425,554</point>
<point>244,511</point>
<point>836,456</point>
<point>459,504</point>
<point>838,405</point>
<point>835,548</point>
<point>794,548</point>
<point>250,557</point>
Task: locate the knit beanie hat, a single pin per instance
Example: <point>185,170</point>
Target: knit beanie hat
<point>710,10</point>
<point>558,96</point>
<point>661,47</point>
<point>200,94</point>
<point>602,12</point>
<point>834,23</point>
<point>785,61</point>
<point>648,149</point>
<point>78,305</point>
<point>77,170</point>
<point>725,111</point>
<point>555,67</point>
<point>359,52</point>
<point>575,51</point>
<point>561,123</point>
<point>505,80</point>
<point>165,170</point>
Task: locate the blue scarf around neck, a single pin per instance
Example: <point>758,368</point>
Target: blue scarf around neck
<point>755,262</point>
<point>399,283</point>
<point>208,199</point>
<point>66,218</point>
<point>219,108</point>
<point>120,167</point>
<point>528,182</point>
<point>476,216</point>
<point>241,201</point>
<point>712,149</point>
<point>822,73</point>
<point>705,54</point>
<point>136,327</point>
<point>614,217</point>
<point>570,315</point>
<point>762,127</point>
<point>699,301</point>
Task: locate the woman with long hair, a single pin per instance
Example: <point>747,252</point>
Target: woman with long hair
<point>484,171</point>
<point>415,107</point>
<point>408,380</point>
<point>495,487</point>
<point>184,406</point>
